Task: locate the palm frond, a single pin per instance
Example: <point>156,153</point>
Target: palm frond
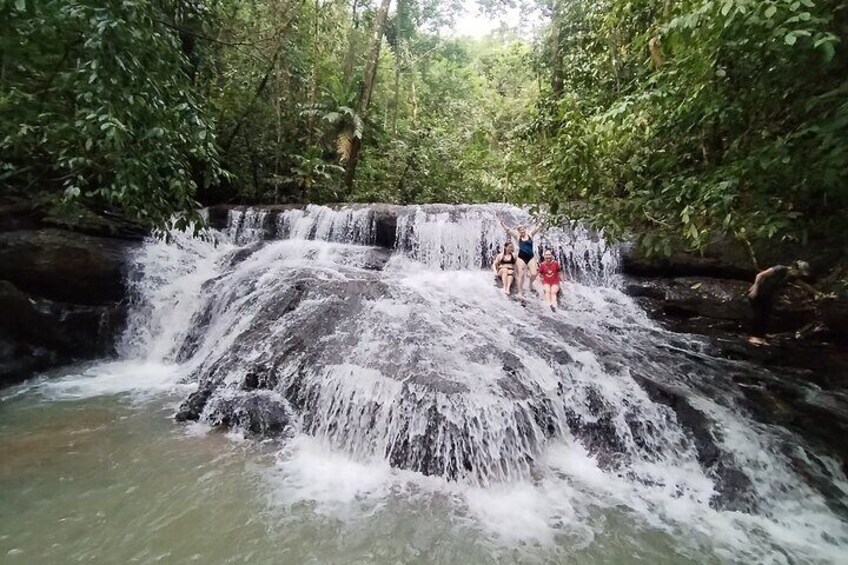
<point>344,144</point>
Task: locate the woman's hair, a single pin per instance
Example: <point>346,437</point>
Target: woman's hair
<point>507,244</point>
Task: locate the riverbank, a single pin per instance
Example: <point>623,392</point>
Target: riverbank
<point>806,353</point>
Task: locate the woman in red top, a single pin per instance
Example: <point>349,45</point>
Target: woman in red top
<point>551,276</point>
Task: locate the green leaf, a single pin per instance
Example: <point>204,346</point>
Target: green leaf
<point>829,51</point>
<point>693,232</point>
<point>790,39</point>
<point>770,11</point>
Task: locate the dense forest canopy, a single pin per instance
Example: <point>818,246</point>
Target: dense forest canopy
<point>678,120</point>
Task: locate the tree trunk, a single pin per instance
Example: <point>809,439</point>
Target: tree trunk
<point>246,113</point>
<point>395,102</point>
<point>557,79</point>
<point>367,88</point>
<point>351,47</point>
<point>414,104</point>
<point>313,80</point>
<point>225,146</point>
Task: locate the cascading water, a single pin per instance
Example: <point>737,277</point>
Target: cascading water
<point>444,237</point>
<point>405,361</point>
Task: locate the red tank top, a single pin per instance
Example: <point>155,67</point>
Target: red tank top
<point>549,272</point>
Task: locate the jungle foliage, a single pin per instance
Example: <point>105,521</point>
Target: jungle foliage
<point>683,120</point>
<point>150,107</point>
<point>691,120</point>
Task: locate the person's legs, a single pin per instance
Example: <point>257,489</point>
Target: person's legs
<point>533,268</point>
<point>521,266</point>
<point>554,294</point>
<point>506,280</point>
<point>761,307</point>
<point>546,293</point>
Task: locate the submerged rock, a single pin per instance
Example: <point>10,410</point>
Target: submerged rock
<point>263,413</point>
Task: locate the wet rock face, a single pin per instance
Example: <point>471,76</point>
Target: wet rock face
<point>263,413</point>
<point>61,294</point>
<point>706,304</point>
<point>65,266</point>
<point>355,359</point>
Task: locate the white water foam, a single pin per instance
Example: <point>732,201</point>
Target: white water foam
<point>138,380</point>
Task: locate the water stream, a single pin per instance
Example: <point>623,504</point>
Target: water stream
<point>349,403</point>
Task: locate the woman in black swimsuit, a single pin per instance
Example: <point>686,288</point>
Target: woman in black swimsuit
<point>504,266</point>
<point>526,257</point>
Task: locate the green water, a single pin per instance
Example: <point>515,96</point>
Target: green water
<point>93,469</point>
<point>113,480</point>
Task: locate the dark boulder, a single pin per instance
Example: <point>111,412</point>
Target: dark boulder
<point>834,315</point>
<point>19,215</point>
<point>62,295</point>
<point>37,334</point>
<point>218,216</point>
<point>724,261</point>
<point>192,407</point>
<point>65,266</point>
<point>385,228</point>
<point>694,296</point>
<point>259,412</point>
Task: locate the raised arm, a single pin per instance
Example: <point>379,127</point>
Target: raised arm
<point>536,229</point>
<point>511,232</point>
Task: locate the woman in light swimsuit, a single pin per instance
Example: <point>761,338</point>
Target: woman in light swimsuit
<point>504,266</point>
<point>526,258</point>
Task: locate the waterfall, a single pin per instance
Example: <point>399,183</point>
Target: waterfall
<point>440,236</point>
<point>379,331</point>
